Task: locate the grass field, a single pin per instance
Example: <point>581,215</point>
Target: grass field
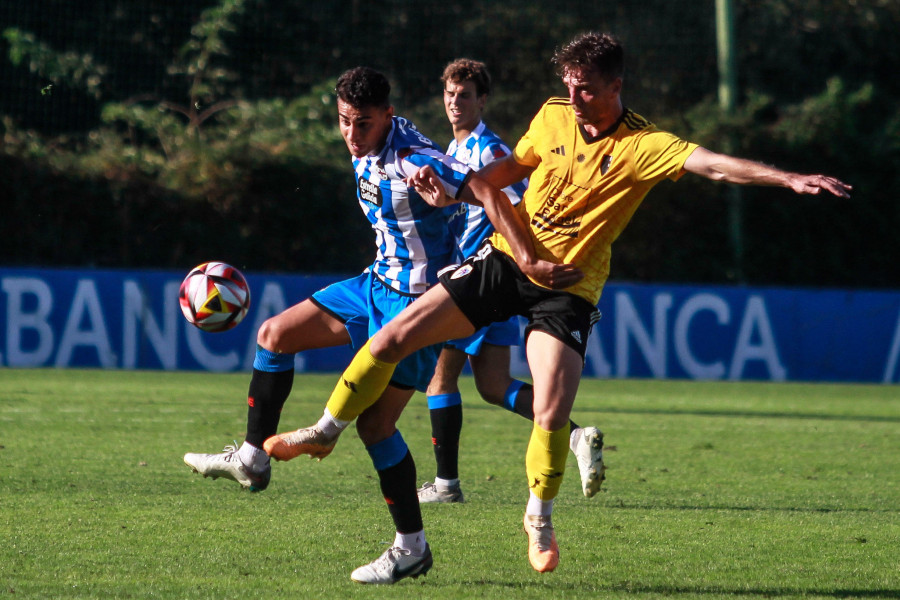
<point>714,490</point>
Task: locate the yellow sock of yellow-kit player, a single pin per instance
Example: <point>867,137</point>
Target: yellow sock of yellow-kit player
<point>545,460</point>
<point>360,385</point>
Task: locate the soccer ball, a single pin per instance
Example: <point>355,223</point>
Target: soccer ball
<point>214,297</point>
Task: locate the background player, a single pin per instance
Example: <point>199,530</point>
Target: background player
<point>467,84</point>
<point>590,162</point>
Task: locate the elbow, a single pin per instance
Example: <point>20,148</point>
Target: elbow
<point>717,175</point>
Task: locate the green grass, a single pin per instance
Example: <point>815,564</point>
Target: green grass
<point>714,490</point>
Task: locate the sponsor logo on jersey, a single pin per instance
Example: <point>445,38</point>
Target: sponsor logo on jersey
<point>560,213</point>
<point>369,191</point>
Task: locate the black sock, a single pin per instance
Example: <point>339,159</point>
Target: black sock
<point>398,485</point>
<point>446,427</point>
<point>267,395</point>
<point>524,404</point>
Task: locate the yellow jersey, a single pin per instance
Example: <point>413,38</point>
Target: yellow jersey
<point>584,191</point>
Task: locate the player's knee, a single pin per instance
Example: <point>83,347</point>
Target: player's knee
<point>270,334</point>
<point>389,345</point>
<point>491,390</point>
<point>372,429</point>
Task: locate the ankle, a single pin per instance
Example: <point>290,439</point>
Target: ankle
<point>330,426</point>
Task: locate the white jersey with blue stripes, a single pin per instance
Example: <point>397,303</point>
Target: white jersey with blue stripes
<point>469,222</point>
<point>412,237</point>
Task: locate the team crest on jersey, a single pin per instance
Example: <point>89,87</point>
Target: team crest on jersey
<point>604,164</point>
<point>461,272</point>
<point>369,191</point>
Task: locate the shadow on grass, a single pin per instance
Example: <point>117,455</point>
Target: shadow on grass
<point>720,413</point>
<point>785,509</point>
<point>669,590</point>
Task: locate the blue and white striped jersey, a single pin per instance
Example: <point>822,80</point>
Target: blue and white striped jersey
<point>412,237</point>
<point>469,222</point>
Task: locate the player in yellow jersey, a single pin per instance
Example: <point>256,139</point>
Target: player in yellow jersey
<point>590,162</point>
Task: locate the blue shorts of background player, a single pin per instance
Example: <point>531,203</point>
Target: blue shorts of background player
<point>505,333</point>
<point>364,304</point>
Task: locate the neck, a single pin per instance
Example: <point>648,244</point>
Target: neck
<point>605,122</point>
<point>461,132</point>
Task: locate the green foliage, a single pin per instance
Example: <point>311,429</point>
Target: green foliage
<point>714,490</point>
<point>221,107</point>
<point>76,69</point>
<point>200,55</point>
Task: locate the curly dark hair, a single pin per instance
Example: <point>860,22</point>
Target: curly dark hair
<point>362,87</point>
<point>466,69</point>
<point>597,51</point>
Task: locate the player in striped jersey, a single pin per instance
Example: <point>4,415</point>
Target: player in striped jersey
<point>467,84</point>
<point>413,243</point>
<point>590,162</point>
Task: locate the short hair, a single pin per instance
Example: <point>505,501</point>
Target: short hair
<point>362,87</point>
<point>600,52</point>
<point>466,69</point>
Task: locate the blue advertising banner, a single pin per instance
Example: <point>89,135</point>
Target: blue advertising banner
<point>132,320</point>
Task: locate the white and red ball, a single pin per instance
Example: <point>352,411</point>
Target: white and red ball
<point>214,296</point>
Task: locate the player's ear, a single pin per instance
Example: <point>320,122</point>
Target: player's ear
<point>615,87</point>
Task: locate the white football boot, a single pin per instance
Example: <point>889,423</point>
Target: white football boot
<point>430,493</point>
<point>392,566</point>
<point>227,464</point>
<point>589,454</point>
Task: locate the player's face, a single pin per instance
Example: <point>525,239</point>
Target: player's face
<point>593,98</point>
<point>364,129</point>
<point>463,104</point>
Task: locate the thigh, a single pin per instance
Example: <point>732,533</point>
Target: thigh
<point>302,327</point>
<point>349,301</point>
<point>432,319</point>
<point>556,370</point>
<point>416,368</point>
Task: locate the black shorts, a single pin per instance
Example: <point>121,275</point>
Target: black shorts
<point>489,287</point>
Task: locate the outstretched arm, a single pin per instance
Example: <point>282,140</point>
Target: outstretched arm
<point>721,167</point>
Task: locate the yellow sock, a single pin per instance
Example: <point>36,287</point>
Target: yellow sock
<point>360,386</point>
<point>545,460</point>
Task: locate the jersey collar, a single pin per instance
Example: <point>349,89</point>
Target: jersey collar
<point>589,139</point>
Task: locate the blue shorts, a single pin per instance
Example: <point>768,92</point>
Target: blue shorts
<point>504,333</point>
<point>364,305</point>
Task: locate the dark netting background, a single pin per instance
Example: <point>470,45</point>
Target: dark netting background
<point>158,134</point>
